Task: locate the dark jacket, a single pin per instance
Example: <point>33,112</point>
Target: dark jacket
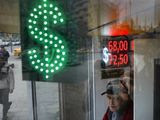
<point>8,81</point>
<point>127,113</point>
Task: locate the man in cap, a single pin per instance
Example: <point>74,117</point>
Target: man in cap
<point>6,86</point>
<point>118,109</point>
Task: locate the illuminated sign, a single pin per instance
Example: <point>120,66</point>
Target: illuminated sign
<point>106,55</point>
<point>115,52</point>
<point>119,52</point>
<point>50,56</point>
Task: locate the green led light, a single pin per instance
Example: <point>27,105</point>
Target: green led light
<point>36,16</point>
<point>35,9</point>
<point>61,20</point>
<point>34,51</point>
<point>31,14</point>
<point>62,59</point>
<point>45,17</point>
<point>29,20</point>
<point>56,38</point>
<point>32,32</point>
<point>47,65</point>
<point>51,36</point>
<point>29,52</point>
<point>53,57</point>
<point>30,57</point>
<point>60,64</point>
<point>38,61</point>
<point>35,56</point>
<point>45,22</point>
<point>57,68</point>
<point>41,39</point>
<point>59,14</point>
<point>55,16</point>
<point>45,5</point>
<point>58,50</point>
<point>56,8</point>
<point>40,13</point>
<point>33,62</point>
<point>39,6</point>
<point>47,71</point>
<point>55,45</point>
<point>30,27</point>
<point>45,34</point>
<point>51,12</point>
<point>47,76</point>
<point>46,53</point>
<point>63,53</point>
<point>51,42</point>
<point>51,5</point>
<point>45,11</point>
<point>60,41</point>
<point>46,40</point>
<point>62,47</point>
<point>45,28</point>
<point>35,36</point>
<point>36,29</point>
<point>45,47</point>
<point>42,64</point>
<point>40,32</point>
<point>34,22</point>
<point>57,56</point>
<point>55,22</point>
<point>36,67</point>
<point>46,59</point>
<point>55,62</point>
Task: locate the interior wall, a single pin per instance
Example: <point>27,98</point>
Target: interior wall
<point>146,50</point>
<point>9,16</point>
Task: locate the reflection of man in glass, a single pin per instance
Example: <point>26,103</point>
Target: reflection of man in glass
<point>127,82</point>
<point>118,108</point>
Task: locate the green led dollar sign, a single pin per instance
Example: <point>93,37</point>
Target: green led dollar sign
<point>41,22</point>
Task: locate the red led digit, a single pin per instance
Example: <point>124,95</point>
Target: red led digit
<point>110,60</point>
<point>115,60</point>
<point>126,59</point>
<point>114,46</point>
<point>110,47</point>
<point>120,45</point>
<point>121,59</point>
<point>125,45</point>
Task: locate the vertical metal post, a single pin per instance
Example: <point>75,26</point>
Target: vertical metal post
<point>89,87</point>
<point>61,103</point>
<point>34,100</point>
<point>93,83</point>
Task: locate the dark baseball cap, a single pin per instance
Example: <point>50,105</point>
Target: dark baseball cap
<point>113,87</point>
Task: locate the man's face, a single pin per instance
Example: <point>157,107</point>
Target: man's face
<point>114,102</point>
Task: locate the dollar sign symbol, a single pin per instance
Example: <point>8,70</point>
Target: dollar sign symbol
<point>106,55</point>
<point>53,57</point>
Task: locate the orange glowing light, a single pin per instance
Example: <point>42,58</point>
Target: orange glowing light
<point>120,29</point>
